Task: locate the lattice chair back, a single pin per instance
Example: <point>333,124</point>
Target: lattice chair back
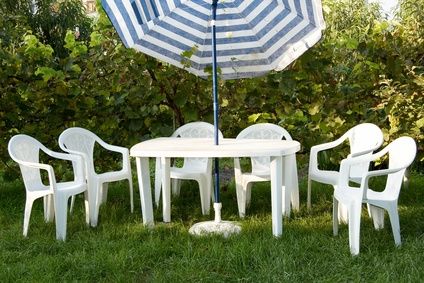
<point>27,149</point>
<point>261,165</point>
<point>196,130</point>
<point>361,138</point>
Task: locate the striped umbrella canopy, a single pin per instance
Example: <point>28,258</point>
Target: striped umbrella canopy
<point>253,37</point>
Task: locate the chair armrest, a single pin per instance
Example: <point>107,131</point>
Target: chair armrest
<point>36,165</point>
<point>313,155</point>
<point>75,152</point>
<point>114,148</point>
<point>77,159</point>
<point>77,156</point>
<point>347,163</point>
<point>371,174</point>
<point>48,168</point>
<point>119,149</point>
<point>328,145</point>
<point>382,172</point>
<point>355,154</point>
<point>355,159</point>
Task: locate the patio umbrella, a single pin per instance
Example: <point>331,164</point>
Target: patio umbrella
<point>244,38</point>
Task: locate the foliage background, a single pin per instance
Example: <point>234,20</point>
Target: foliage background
<point>54,75</point>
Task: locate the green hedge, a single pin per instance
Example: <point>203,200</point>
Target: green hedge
<point>365,69</point>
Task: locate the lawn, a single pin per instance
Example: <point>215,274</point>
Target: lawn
<point>122,249</point>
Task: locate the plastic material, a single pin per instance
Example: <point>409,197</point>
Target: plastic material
<point>363,140</point>
<point>25,150</point>
<point>167,148</point>
<point>401,153</point>
<point>81,141</point>
<point>261,167</point>
<point>198,169</point>
<point>223,228</point>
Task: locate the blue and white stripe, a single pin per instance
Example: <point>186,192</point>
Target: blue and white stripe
<point>253,36</point>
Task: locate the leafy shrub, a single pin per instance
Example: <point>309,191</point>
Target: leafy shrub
<point>365,69</point>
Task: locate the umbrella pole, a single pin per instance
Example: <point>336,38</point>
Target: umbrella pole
<point>225,228</point>
<point>217,207</point>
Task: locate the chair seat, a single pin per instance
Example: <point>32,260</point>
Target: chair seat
<point>74,187</point>
<point>254,177</point>
<point>379,196</point>
<point>182,173</point>
<point>347,197</point>
<point>113,176</point>
<point>265,173</point>
<point>325,176</point>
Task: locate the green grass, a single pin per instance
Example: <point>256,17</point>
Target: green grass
<point>121,249</point>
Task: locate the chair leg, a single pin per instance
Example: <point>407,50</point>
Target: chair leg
<point>87,208</point>
<point>377,216</point>
<point>211,187</point>
<point>71,208</point>
<point>354,212</point>
<point>27,214</point>
<point>343,214</point>
<point>394,221</point>
<point>95,204</point>
<point>48,208</point>
<point>205,196</point>
<point>61,210</point>
<point>308,201</point>
<point>291,180</point>
<point>248,193</point>
<point>158,181</point>
<point>105,188</point>
<point>335,216</point>
<point>176,186</point>
<point>45,208</point>
<point>369,210</point>
<point>241,198</point>
<point>131,194</point>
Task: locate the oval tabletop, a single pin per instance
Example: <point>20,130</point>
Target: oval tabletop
<point>205,147</point>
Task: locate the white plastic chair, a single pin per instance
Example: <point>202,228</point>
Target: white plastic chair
<point>261,166</point>
<point>198,169</point>
<point>401,153</point>
<point>81,141</point>
<point>25,151</point>
<point>363,140</point>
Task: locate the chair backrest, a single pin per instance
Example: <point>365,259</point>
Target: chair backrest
<point>402,153</point>
<point>263,131</point>
<point>196,130</point>
<point>80,140</point>
<point>364,137</point>
<point>23,148</point>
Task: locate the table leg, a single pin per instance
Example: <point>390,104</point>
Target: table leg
<point>145,190</point>
<point>294,183</point>
<point>166,188</point>
<point>92,201</point>
<point>276,195</point>
<point>291,184</point>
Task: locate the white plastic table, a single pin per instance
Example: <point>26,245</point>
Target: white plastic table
<point>280,152</point>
